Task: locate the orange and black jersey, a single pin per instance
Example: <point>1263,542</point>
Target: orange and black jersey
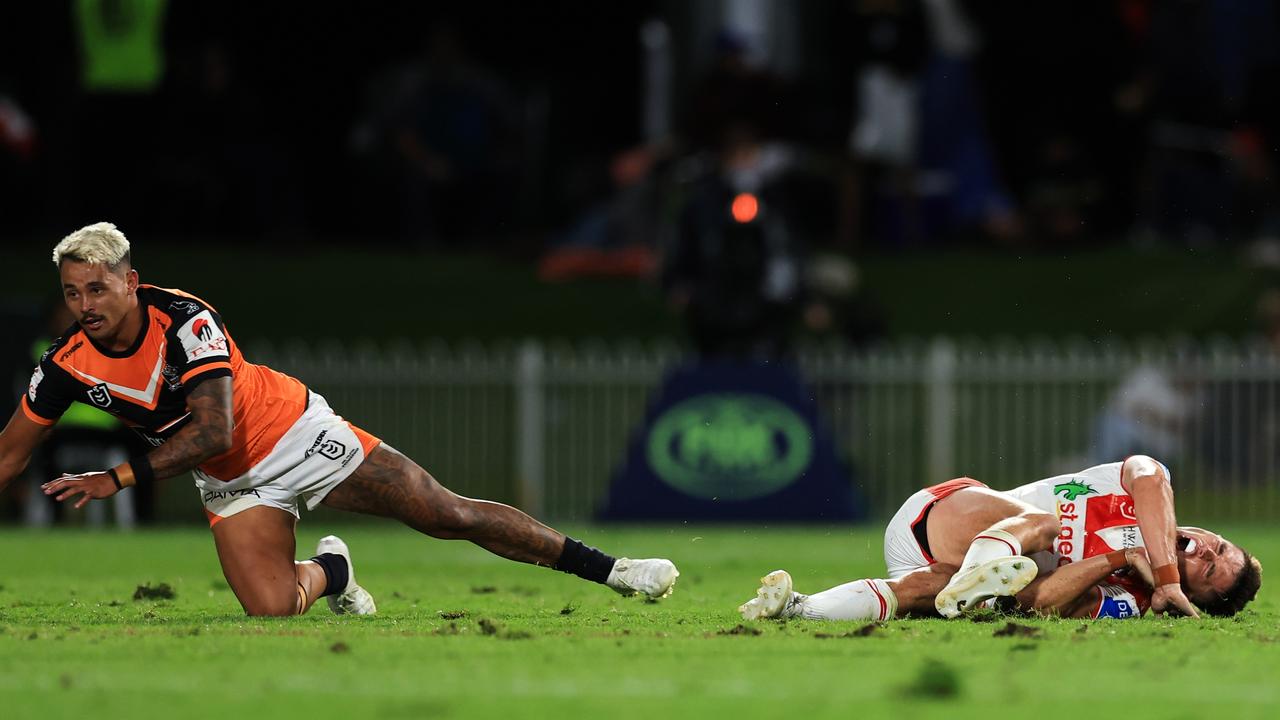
<point>183,343</point>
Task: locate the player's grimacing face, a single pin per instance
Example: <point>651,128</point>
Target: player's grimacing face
<point>97,297</point>
<point>1209,563</point>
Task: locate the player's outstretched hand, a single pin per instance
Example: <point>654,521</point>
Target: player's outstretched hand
<point>1170,599</point>
<point>90,486</point>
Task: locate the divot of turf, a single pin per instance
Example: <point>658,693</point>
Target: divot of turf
<point>568,609</point>
<point>452,614</point>
<point>484,590</point>
<point>161,591</point>
<point>863,631</point>
<point>339,648</point>
<point>488,627</point>
<point>1016,630</point>
<point>739,630</point>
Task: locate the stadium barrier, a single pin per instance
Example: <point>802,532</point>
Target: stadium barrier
<point>544,425</point>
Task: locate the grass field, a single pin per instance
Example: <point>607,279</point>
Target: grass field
<point>464,634</point>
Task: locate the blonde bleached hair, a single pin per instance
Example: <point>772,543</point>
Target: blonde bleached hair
<point>97,244</point>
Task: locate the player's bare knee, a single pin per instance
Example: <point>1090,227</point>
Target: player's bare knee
<point>272,607</point>
<point>1045,528</point>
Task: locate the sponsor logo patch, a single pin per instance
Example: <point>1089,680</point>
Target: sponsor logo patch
<point>201,338</point>
<point>70,351</point>
<point>36,377</point>
<point>226,494</point>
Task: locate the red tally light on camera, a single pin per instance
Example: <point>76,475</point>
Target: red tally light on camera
<point>745,207</point>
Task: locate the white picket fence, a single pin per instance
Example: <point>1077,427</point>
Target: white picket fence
<point>545,426</point>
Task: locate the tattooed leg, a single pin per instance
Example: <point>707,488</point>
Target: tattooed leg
<point>391,485</point>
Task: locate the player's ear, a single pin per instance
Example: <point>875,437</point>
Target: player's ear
<point>131,281</point>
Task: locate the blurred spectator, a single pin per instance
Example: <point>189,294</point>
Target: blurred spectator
<point>918,134</point>
<point>838,307</point>
<point>614,237</point>
<point>122,66</point>
<point>453,130</point>
<point>734,265</point>
<point>1209,80</point>
<point>1147,415</point>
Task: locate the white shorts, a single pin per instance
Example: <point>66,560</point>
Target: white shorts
<point>902,551</point>
<point>317,453</point>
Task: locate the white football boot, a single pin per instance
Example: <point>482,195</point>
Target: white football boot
<point>655,578</point>
<point>1001,577</point>
<point>774,599</point>
<point>353,600</point>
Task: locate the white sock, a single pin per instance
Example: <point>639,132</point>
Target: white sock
<point>857,600</point>
<point>989,545</point>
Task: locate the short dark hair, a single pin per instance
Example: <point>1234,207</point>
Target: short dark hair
<point>1241,592</point>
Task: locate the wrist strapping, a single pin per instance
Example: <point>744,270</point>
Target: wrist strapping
<point>123,476</point>
<point>1117,559</point>
<point>1166,574</point>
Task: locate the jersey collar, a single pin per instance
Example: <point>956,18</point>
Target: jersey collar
<point>137,342</point>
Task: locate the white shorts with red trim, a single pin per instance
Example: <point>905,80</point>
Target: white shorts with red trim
<point>902,553</point>
<point>317,453</point>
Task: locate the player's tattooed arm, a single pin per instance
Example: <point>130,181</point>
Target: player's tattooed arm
<point>207,435</point>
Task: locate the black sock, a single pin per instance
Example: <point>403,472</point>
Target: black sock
<point>336,572</point>
<point>584,561</point>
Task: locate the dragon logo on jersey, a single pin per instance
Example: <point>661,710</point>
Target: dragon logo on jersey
<point>36,377</point>
<point>186,306</point>
<point>1073,490</point>
<point>99,396</point>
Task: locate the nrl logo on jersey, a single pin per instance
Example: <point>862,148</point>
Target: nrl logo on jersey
<point>99,396</point>
<point>1072,490</point>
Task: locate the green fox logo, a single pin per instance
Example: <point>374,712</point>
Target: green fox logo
<point>1072,490</point>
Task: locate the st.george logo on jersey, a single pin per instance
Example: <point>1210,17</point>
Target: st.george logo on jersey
<point>201,338</point>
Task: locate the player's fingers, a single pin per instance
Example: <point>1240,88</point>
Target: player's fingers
<point>68,493</point>
<point>82,501</point>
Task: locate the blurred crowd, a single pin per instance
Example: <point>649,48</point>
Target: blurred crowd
<point>740,152</point>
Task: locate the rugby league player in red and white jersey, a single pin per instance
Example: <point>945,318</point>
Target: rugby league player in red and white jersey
<point>1103,542</point>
